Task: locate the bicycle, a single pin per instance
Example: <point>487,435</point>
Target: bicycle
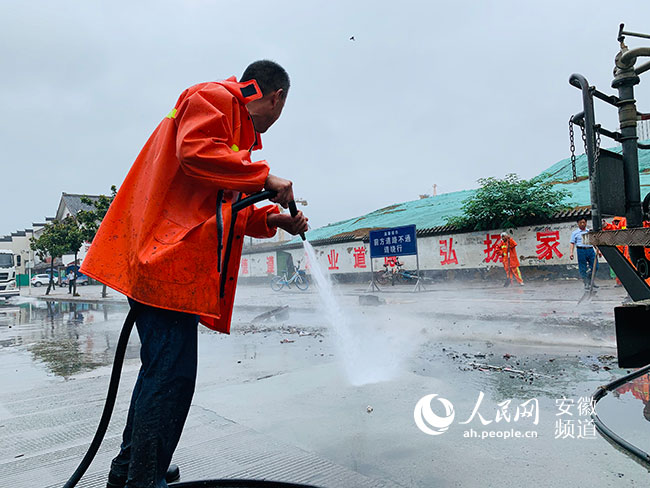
<point>389,275</point>
<point>395,275</point>
<point>299,278</point>
<point>407,276</point>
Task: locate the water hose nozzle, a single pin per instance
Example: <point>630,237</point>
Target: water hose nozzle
<point>263,195</point>
<point>294,211</point>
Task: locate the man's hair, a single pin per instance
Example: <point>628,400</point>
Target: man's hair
<point>581,218</point>
<point>270,76</point>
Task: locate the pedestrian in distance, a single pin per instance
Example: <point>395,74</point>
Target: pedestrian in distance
<point>586,253</point>
<point>510,260</point>
<point>171,243</point>
<point>70,281</point>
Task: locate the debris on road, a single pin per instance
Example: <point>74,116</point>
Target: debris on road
<point>507,369</point>
<point>279,313</point>
<point>371,300</point>
<point>283,329</point>
<point>607,357</point>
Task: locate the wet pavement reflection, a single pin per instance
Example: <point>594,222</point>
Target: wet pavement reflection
<point>288,378</point>
<point>626,411</point>
<point>68,338</point>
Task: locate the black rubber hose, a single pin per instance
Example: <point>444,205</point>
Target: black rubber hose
<point>239,483</point>
<point>111,396</point>
<point>253,199</point>
<point>263,195</point>
<point>605,431</point>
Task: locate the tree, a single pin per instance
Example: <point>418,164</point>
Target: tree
<point>510,202</point>
<point>58,238</point>
<point>90,220</point>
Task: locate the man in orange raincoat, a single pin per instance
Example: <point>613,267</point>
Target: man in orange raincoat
<point>171,243</point>
<point>510,259</point>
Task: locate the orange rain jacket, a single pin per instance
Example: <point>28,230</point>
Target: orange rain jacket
<point>164,239</point>
<point>509,254</point>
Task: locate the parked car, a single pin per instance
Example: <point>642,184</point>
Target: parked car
<point>82,280</point>
<point>41,279</point>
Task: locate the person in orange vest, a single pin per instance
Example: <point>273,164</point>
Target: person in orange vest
<point>616,224</point>
<point>510,259</point>
<point>171,244</point>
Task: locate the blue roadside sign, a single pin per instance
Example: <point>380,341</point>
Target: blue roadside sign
<point>398,241</point>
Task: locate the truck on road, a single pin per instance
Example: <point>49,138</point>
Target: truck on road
<point>8,286</point>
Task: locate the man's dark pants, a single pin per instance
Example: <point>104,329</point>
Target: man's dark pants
<point>586,261</point>
<point>161,396</point>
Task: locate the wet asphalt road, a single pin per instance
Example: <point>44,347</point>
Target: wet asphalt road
<point>526,353</point>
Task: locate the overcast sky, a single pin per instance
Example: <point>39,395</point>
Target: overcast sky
<point>428,92</point>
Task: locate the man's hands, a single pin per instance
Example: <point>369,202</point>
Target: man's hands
<point>293,225</point>
<point>283,187</point>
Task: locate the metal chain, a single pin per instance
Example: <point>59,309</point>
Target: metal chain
<point>597,145</point>
<point>572,146</point>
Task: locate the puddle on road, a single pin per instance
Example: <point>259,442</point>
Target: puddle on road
<point>67,338</point>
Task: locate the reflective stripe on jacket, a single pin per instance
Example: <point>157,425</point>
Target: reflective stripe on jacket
<point>163,240</point>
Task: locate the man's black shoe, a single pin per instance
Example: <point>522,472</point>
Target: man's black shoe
<point>507,283</point>
<point>114,481</point>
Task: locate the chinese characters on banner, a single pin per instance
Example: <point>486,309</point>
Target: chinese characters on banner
<point>392,243</point>
<point>536,246</point>
<point>333,258</point>
<point>574,420</point>
<point>390,261</point>
<point>395,241</point>
<point>447,252</point>
<point>549,241</point>
<point>359,257</point>
<point>492,249</point>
